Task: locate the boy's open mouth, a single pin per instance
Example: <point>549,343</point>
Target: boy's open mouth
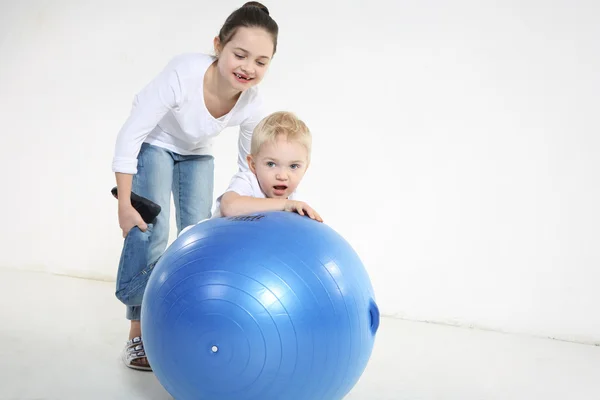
<point>279,190</point>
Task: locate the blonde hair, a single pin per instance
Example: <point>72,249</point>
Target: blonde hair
<point>280,123</point>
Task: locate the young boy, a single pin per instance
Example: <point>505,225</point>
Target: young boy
<point>279,157</point>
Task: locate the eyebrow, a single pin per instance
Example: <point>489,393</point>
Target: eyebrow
<point>247,52</point>
<point>291,162</point>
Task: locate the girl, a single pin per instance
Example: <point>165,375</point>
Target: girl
<point>165,144</point>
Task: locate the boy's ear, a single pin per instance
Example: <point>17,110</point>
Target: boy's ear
<point>251,163</point>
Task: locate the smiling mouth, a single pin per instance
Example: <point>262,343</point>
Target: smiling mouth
<point>242,77</point>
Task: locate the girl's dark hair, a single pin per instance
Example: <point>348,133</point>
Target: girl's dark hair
<point>251,15</point>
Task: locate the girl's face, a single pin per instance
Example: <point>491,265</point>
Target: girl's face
<point>245,59</point>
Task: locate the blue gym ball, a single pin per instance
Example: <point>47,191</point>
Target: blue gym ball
<point>270,306</point>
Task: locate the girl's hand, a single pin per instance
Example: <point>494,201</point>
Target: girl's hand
<point>302,208</point>
<point>128,218</point>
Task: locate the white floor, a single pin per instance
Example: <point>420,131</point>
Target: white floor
<point>60,338</point>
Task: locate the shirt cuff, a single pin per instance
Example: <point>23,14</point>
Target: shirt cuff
<point>125,165</point>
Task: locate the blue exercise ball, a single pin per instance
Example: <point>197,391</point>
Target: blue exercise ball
<point>266,306</point>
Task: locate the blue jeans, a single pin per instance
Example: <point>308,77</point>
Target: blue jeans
<point>160,172</point>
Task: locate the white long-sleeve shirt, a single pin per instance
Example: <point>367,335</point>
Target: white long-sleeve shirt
<point>170,112</point>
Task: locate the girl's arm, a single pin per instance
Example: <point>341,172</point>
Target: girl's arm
<point>150,106</point>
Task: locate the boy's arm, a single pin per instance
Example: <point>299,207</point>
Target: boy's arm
<point>233,204</point>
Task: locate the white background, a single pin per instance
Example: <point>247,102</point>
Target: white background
<point>455,142</point>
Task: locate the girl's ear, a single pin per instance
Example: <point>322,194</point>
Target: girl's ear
<point>251,163</point>
<point>217,46</point>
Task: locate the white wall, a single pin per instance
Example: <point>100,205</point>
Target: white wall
<point>469,175</point>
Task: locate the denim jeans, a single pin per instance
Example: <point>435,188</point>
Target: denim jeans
<point>134,269</point>
<point>160,172</point>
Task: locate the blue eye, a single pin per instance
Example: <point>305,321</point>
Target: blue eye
<point>270,164</point>
<point>295,166</point>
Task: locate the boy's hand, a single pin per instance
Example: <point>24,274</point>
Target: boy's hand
<point>302,208</point>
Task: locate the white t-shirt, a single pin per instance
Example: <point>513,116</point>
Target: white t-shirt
<point>170,112</point>
<point>245,184</point>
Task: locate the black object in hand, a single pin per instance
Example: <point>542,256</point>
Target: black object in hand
<point>148,209</point>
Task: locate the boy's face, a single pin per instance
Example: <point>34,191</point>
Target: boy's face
<point>279,167</point>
